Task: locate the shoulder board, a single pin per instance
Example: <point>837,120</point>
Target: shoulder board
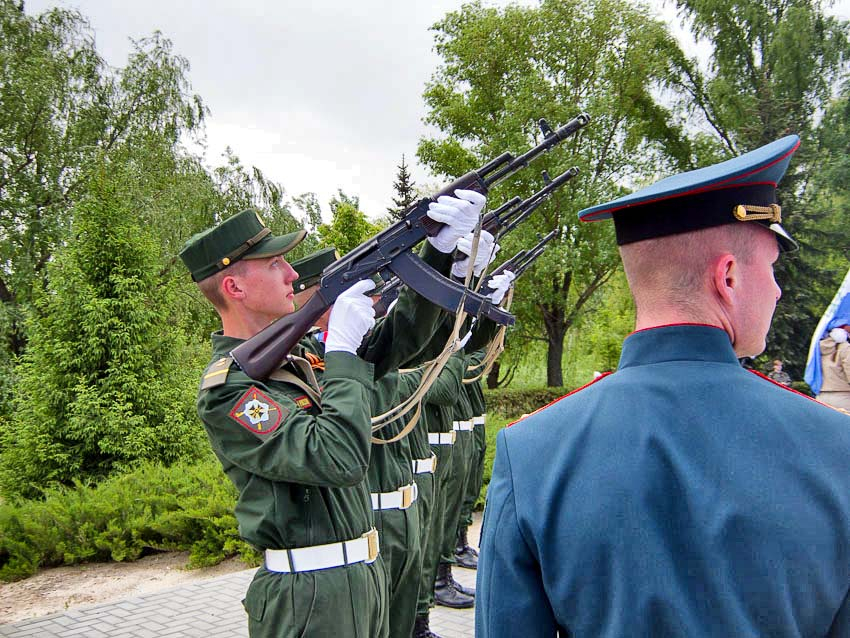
<point>586,385</point>
<point>790,389</point>
<point>216,373</point>
<point>783,386</point>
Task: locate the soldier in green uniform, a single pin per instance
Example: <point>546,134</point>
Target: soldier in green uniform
<point>445,586</point>
<point>390,474</point>
<point>298,454</point>
<point>437,422</point>
<point>466,556</point>
<point>396,508</point>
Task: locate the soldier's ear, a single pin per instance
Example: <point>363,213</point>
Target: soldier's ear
<point>725,277</point>
<point>231,288</point>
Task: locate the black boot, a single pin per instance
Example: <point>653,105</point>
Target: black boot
<point>421,628</point>
<point>469,591</point>
<point>446,592</point>
<point>465,555</point>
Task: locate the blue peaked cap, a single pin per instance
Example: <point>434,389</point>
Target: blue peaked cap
<point>739,189</point>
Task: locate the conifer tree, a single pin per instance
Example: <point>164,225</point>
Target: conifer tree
<point>405,192</point>
<point>104,382</point>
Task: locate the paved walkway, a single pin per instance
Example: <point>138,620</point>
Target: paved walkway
<point>206,609</point>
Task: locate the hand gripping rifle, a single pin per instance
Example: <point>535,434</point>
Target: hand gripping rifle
<point>498,222</point>
<point>389,252</point>
<point>520,262</point>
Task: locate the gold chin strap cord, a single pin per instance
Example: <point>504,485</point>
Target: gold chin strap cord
<point>749,213</point>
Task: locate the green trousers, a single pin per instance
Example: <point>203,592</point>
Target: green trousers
<point>475,478</point>
<point>433,546</point>
<point>349,602</point>
<point>425,503</point>
<point>455,492</point>
<point>399,531</point>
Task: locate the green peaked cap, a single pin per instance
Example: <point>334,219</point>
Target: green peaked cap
<point>243,236</point>
<point>310,268</point>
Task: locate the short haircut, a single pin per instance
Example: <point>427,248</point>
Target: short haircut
<point>211,286</point>
<point>674,270</point>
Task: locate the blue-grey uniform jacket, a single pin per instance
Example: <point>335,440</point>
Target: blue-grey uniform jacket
<point>680,496</point>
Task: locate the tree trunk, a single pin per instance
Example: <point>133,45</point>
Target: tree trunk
<point>556,330</point>
<point>493,376</point>
<point>554,356</point>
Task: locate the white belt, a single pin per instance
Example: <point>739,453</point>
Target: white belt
<point>479,420</point>
<point>424,466</point>
<point>462,426</point>
<point>442,438</point>
<point>308,559</point>
<point>400,499</point>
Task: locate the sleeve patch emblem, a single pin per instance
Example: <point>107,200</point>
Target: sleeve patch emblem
<point>257,412</point>
<point>303,402</point>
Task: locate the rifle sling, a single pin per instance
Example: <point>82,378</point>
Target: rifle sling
<point>311,386</point>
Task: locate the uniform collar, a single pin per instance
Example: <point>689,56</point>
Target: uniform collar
<point>222,345</point>
<point>679,342</point>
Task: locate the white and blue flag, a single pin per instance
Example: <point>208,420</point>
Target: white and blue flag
<point>837,314</point>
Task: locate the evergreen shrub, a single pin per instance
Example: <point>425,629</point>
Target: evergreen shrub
<point>153,508</point>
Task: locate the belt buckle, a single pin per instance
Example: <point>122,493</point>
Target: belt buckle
<point>454,436</point>
<point>372,542</point>
<point>433,462</point>
<point>406,496</point>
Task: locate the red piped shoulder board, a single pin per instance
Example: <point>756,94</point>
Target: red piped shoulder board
<point>785,387</point>
<point>257,412</point>
<point>586,385</point>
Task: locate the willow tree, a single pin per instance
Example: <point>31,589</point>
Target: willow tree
<point>62,107</point>
<point>501,70</point>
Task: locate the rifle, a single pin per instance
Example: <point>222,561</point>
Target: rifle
<point>389,252</point>
<point>498,222</point>
<point>520,262</point>
<point>389,293</point>
<point>503,220</point>
<point>516,210</point>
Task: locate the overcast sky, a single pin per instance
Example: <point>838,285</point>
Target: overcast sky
<point>318,94</point>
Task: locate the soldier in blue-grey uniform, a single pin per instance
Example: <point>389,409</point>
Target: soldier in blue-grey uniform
<point>681,495</point>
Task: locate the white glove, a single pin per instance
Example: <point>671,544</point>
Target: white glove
<point>459,214</point>
<point>838,335</point>
<point>351,318</point>
<point>500,284</point>
<point>487,250</point>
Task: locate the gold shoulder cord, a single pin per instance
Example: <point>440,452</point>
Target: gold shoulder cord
<point>433,368</point>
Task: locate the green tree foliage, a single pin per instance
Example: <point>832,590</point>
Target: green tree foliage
<point>60,108</point>
<point>773,68</point>
<point>405,190</point>
<point>504,69</point>
<point>105,381</point>
<point>349,226</point>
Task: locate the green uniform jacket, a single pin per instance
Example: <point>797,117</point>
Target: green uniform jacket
<point>389,465</point>
<point>299,474</point>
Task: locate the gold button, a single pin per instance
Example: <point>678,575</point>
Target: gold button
<point>226,261</point>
